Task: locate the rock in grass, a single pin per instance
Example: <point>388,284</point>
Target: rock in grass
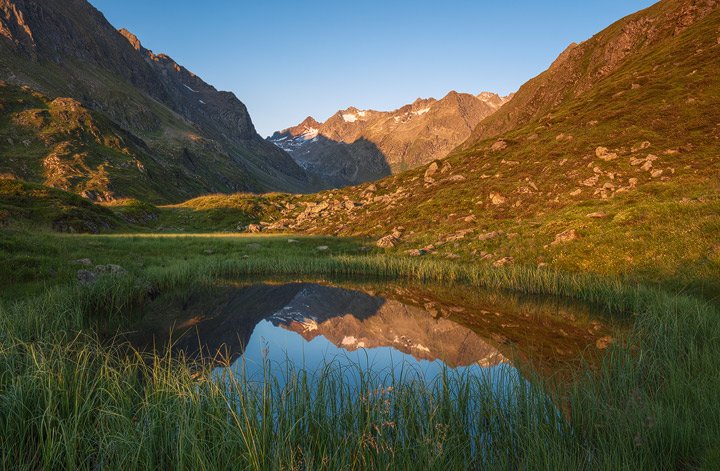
<point>604,342</point>
<point>499,146</point>
<point>86,277</point>
<point>430,172</point>
<point>253,246</point>
<point>254,228</point>
<point>503,261</point>
<point>292,241</point>
<point>497,199</point>
<point>110,269</point>
<point>597,215</point>
<point>566,236</point>
<point>323,248</point>
<point>641,146</point>
<point>602,153</point>
<point>490,235</point>
<point>387,242</point>
<point>83,261</point>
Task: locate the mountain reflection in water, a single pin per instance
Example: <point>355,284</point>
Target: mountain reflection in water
<point>383,327</point>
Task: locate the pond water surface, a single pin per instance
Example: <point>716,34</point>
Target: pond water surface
<point>395,331</point>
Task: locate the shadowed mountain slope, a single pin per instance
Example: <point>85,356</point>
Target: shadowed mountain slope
<point>199,139</point>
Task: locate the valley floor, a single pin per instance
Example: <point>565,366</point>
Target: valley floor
<point>69,400</point>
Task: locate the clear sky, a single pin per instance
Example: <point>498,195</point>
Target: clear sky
<point>287,59</point>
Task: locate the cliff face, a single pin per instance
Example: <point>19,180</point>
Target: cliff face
<point>202,138</point>
<point>355,146</point>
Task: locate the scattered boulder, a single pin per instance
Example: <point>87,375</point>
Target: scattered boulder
<point>597,215</point>
<point>497,199</point>
<point>318,208</point>
<point>83,261</point>
<point>503,261</point>
<point>254,228</point>
<point>387,242</point>
<point>602,153</point>
<point>430,172</point>
<point>292,241</point>
<point>563,137</point>
<point>86,277</point>
<point>490,235</point>
<point>592,181</point>
<point>456,178</point>
<point>566,236</point>
<point>500,145</point>
<point>641,146</point>
<point>322,248</point>
<point>110,269</point>
<point>604,342</point>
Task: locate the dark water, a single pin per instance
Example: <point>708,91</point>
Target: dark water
<point>395,331</point>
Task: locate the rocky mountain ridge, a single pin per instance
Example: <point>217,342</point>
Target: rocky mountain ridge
<point>354,146</point>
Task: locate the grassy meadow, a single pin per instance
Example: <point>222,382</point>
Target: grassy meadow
<point>70,399</point>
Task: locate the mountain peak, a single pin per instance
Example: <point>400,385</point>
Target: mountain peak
<point>310,122</point>
<point>132,39</point>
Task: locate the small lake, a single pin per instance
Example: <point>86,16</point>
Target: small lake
<point>394,331</point>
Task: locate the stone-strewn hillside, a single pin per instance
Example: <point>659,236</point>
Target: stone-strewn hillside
<point>620,176</point>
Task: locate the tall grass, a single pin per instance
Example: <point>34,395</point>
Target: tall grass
<point>67,401</point>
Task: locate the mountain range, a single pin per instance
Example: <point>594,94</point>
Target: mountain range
<point>355,146</point>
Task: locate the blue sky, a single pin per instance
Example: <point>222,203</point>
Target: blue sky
<point>289,59</point>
